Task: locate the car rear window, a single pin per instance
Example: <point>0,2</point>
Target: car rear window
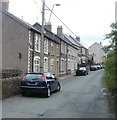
<point>82,68</point>
<point>33,76</point>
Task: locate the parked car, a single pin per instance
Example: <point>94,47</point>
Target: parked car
<point>98,67</point>
<point>93,68</point>
<point>40,83</point>
<point>81,71</point>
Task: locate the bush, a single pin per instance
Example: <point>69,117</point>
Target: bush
<point>110,73</point>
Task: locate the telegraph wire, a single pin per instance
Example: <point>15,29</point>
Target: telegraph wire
<point>62,22</point>
<point>36,4</point>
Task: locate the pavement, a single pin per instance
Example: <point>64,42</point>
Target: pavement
<point>66,76</point>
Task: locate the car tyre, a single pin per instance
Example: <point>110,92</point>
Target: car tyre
<point>24,94</point>
<point>48,93</point>
<point>58,87</point>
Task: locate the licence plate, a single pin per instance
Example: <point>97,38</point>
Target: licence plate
<point>31,83</point>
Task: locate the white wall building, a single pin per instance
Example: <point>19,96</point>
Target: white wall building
<point>97,52</point>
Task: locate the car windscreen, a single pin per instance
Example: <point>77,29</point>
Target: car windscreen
<point>33,76</point>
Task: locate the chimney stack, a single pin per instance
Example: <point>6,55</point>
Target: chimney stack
<point>59,30</point>
<point>4,4</point>
<point>78,38</point>
<point>48,26</point>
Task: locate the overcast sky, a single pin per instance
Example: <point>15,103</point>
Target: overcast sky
<point>89,19</point>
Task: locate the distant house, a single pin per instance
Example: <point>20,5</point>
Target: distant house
<point>72,53</point>
<point>97,52</point>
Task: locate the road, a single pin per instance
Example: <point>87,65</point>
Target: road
<point>80,97</point>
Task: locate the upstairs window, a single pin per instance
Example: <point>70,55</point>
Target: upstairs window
<point>37,42</point>
<point>46,46</point>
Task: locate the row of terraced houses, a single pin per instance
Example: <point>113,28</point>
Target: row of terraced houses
<point>21,47</point>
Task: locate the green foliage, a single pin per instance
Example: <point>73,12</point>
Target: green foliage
<point>111,61</point>
<point>110,72</point>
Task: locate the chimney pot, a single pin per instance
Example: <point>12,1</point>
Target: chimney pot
<point>78,38</point>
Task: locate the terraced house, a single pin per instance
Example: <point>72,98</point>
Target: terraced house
<point>21,47</point>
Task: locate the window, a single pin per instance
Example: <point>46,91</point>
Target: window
<point>69,64</point>
<point>62,64</point>
<point>37,42</point>
<point>69,50</point>
<point>62,47</point>
<point>57,50</point>
<point>52,48</point>
<point>45,46</point>
<point>52,65</point>
<point>30,41</point>
<point>36,64</point>
<point>45,64</point>
<point>65,48</point>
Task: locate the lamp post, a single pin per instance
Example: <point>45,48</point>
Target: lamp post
<point>52,10</point>
<point>42,39</point>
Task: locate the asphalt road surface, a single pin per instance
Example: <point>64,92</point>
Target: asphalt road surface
<point>80,97</point>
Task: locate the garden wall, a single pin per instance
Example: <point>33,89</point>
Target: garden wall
<point>10,86</point>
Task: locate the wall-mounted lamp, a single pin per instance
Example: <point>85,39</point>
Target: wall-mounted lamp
<point>20,55</point>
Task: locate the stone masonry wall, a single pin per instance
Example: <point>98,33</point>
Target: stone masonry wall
<point>10,86</point>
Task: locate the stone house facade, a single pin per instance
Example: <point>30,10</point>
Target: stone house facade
<point>97,52</point>
<point>51,51</point>
<point>21,47</point>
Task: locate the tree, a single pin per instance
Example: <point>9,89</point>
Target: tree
<point>111,61</point>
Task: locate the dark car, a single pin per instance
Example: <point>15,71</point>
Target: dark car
<point>93,68</point>
<point>40,83</point>
<point>81,71</point>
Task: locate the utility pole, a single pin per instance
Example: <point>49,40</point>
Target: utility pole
<point>42,39</point>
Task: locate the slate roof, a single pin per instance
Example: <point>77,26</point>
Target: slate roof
<point>80,44</point>
<point>48,33</point>
<point>72,41</point>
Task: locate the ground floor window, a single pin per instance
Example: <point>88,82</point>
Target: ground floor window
<point>52,66</point>
<point>36,64</point>
<point>45,64</point>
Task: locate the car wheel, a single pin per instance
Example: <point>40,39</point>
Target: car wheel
<point>48,92</point>
<point>24,94</point>
<point>58,87</point>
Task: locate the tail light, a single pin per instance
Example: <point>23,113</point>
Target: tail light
<point>44,76</point>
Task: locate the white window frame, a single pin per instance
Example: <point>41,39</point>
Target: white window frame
<point>45,45</point>
<point>37,42</point>
<point>62,64</point>
<point>36,64</point>
<point>45,64</point>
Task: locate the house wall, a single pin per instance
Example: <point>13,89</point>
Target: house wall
<point>14,44</point>
<point>63,59</point>
<point>97,52</point>
<point>54,53</point>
